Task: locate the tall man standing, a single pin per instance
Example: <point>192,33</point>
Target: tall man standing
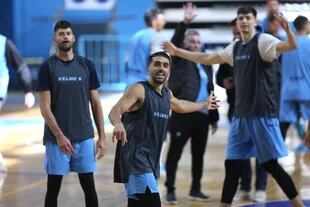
<point>224,78</point>
<point>67,84</point>
<point>140,119</point>
<point>255,128</point>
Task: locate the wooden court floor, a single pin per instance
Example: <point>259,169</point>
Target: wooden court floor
<point>25,183</point>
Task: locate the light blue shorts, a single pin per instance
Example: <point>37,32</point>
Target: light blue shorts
<point>258,137</point>
<point>291,111</point>
<point>58,163</point>
<point>137,184</point>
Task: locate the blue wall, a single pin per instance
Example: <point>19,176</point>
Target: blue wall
<point>33,22</point>
<point>29,23</point>
<point>6,18</point>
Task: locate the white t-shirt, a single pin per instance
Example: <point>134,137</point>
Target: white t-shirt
<point>266,47</point>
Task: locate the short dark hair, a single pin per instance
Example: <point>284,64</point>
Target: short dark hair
<point>233,22</point>
<point>300,22</point>
<point>247,10</point>
<point>151,14</point>
<point>160,53</point>
<point>62,24</point>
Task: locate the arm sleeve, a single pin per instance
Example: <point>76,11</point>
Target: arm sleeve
<point>267,46</point>
<point>43,80</point>
<point>179,34</point>
<point>15,60</point>
<point>227,54</point>
<point>93,78</point>
<point>178,38</point>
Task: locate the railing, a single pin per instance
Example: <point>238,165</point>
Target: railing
<point>108,54</point>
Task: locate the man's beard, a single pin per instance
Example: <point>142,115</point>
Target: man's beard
<point>160,81</point>
<point>65,49</point>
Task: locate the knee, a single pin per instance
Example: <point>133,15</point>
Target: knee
<point>174,154</point>
<point>236,168</point>
<point>271,166</point>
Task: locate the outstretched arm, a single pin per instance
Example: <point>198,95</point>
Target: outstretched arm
<point>183,106</point>
<point>290,43</point>
<point>198,57</point>
<point>132,100</point>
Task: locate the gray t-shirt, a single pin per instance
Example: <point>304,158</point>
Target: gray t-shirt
<point>266,46</point>
<point>70,83</point>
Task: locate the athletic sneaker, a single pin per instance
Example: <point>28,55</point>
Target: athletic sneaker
<point>242,195</point>
<point>260,196</point>
<point>3,168</point>
<point>171,199</point>
<point>198,196</point>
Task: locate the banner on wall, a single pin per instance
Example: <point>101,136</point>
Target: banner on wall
<point>89,4</point>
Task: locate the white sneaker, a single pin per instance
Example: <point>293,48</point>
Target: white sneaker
<point>260,196</point>
<point>3,168</point>
<point>242,195</point>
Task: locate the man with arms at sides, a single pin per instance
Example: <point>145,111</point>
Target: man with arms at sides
<point>140,119</point>
<point>255,128</point>
<point>192,82</point>
<point>140,46</point>
<point>67,84</point>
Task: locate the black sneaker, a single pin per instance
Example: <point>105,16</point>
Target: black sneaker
<point>198,196</point>
<point>171,199</point>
